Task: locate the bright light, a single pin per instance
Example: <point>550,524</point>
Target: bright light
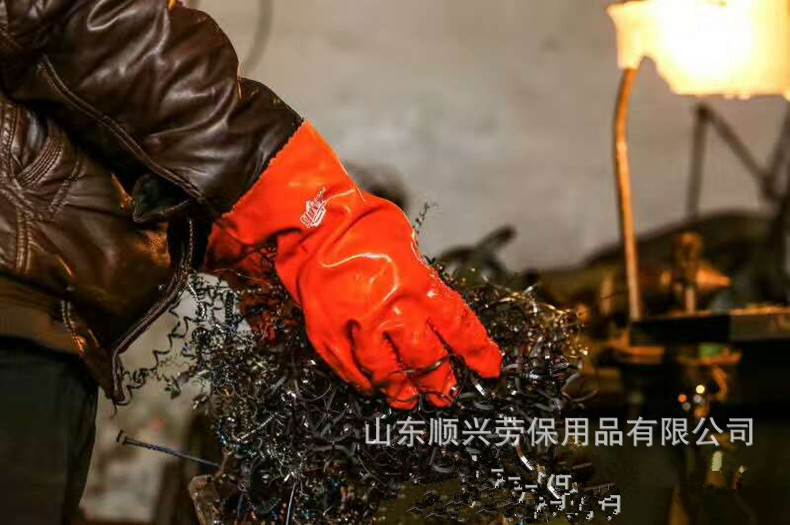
<point>735,48</point>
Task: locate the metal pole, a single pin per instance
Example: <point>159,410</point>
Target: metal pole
<point>124,439</point>
<point>701,123</point>
<point>625,201</point>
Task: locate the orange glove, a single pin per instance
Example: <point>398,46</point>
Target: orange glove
<point>375,311</point>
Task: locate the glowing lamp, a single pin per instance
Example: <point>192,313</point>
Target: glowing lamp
<point>733,48</point>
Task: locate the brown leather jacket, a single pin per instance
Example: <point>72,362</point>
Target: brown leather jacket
<point>124,132</point>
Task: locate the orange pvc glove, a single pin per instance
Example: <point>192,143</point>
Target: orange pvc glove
<point>375,311</point>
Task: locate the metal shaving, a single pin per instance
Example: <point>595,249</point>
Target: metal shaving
<point>294,433</point>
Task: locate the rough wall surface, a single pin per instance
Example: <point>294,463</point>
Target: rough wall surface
<point>498,111</point>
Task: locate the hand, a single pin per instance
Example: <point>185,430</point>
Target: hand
<point>379,316</point>
<point>375,311</point>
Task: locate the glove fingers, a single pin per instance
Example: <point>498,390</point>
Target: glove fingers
<point>438,385</point>
<point>426,362</point>
<point>344,365</point>
<point>460,329</point>
<point>377,358</point>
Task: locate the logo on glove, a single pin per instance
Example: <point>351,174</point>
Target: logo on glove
<point>315,210</point>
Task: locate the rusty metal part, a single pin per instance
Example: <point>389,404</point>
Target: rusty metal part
<point>624,194</point>
<point>686,261</point>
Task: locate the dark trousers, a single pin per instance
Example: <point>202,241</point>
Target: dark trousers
<point>47,428</point>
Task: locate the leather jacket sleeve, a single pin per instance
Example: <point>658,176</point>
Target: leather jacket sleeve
<point>150,88</point>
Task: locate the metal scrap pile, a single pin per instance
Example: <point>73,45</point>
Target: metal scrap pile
<point>295,435</point>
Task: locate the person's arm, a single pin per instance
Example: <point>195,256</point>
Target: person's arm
<point>153,90</point>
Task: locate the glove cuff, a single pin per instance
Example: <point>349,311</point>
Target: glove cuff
<point>303,195</point>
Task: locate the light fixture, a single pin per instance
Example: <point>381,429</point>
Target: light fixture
<point>732,48</point>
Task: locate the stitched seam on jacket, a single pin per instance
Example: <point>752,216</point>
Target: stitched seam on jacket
<point>60,197</point>
<point>21,204</point>
<point>20,243</point>
<point>118,132</point>
<point>9,145</point>
<point>26,225</point>
<point>10,188</point>
<point>46,159</point>
<point>9,113</point>
<point>68,322</point>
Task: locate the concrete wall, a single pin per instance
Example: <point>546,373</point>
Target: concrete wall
<point>497,110</point>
